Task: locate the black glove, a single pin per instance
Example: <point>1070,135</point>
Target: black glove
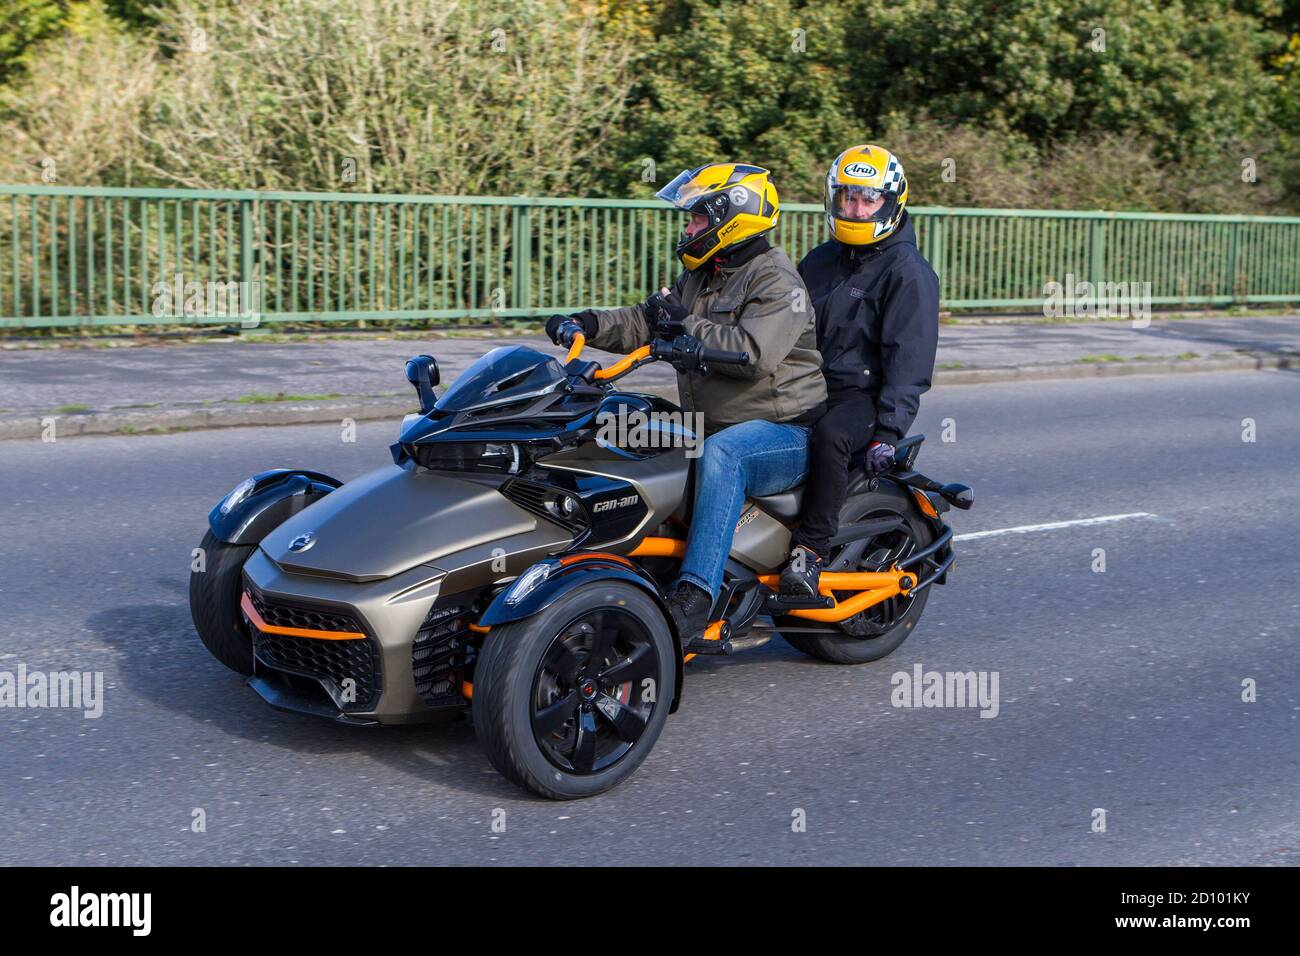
<point>584,322</point>
<point>880,455</point>
<point>665,313</point>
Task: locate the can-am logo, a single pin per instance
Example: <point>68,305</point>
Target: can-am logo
<point>860,170</point>
<point>617,503</point>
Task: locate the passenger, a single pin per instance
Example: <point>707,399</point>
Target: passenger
<point>877,305</point>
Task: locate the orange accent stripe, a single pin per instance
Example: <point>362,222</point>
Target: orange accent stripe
<point>246,603</point>
<point>467,690</point>
<point>584,555</point>
<point>625,363</point>
<point>575,348</point>
<point>659,548</point>
<point>479,628</point>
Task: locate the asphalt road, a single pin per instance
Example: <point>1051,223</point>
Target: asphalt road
<point>1119,690</point>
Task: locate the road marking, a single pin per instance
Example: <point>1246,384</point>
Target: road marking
<point>1051,526</point>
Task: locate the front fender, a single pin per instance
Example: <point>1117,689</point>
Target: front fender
<point>267,499</point>
<point>550,579</point>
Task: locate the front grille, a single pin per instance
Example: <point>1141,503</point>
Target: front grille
<point>349,668</point>
<point>300,616</point>
<point>441,655</point>
<point>334,662</point>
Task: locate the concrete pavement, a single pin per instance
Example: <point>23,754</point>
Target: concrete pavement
<point>248,382</point>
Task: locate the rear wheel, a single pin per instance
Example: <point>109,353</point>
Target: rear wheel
<point>879,630</point>
<point>214,603</point>
<point>568,703</point>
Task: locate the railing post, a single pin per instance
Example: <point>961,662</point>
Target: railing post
<point>520,254</point>
<point>1234,287</point>
<point>939,237</point>
<point>1097,258</point>
<point>246,254</point>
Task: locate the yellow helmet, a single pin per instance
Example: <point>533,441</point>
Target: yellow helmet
<point>868,173</point>
<point>739,201</point>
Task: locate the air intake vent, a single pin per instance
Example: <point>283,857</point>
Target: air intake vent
<point>441,655</point>
<point>553,504</point>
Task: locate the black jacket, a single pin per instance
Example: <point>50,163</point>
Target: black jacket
<point>877,310</point>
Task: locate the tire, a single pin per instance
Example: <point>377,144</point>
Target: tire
<point>214,603</point>
<point>525,684</point>
<point>861,639</point>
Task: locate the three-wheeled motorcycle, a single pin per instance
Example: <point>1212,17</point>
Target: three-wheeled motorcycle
<point>513,561</point>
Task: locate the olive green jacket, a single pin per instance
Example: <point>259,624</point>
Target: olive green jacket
<point>759,306</point>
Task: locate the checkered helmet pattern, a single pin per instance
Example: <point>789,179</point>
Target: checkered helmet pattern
<point>895,182</point>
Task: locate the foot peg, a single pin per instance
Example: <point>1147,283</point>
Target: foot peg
<point>716,639</point>
<point>781,603</point>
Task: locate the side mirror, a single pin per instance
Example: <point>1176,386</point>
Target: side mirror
<point>422,372</point>
<point>962,496</point>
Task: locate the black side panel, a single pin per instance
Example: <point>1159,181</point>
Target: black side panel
<point>276,496</point>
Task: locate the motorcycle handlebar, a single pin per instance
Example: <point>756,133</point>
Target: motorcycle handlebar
<point>578,340</point>
<point>722,357</point>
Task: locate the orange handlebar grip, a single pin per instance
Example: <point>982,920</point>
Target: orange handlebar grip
<point>575,349</point>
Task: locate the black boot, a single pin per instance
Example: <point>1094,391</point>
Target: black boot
<point>689,606</point>
<point>801,573</point>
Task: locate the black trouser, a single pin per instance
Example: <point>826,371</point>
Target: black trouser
<point>846,428</point>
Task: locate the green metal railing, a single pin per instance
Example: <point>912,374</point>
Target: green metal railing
<point>87,257</point>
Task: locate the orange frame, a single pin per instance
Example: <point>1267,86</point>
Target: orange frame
<point>873,586</point>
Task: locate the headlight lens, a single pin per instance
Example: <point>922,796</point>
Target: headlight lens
<point>526,582</point>
<point>238,494</point>
<point>503,457</point>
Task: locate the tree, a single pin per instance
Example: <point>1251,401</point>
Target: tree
<point>24,23</point>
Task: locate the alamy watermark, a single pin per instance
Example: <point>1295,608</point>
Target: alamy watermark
<point>180,298</point>
<point>75,690</point>
<point>634,429</point>
<point>133,911</point>
<point>1083,299</point>
<point>923,688</point>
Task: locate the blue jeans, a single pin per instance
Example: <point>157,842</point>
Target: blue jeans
<point>749,459</point>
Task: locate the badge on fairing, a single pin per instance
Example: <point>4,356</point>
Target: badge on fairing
<point>303,542</point>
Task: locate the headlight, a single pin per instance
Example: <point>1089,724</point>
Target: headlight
<point>565,506</point>
<point>501,457</point>
<point>240,492</point>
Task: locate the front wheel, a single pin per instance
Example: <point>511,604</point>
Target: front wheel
<point>215,588</point>
<point>568,703</point>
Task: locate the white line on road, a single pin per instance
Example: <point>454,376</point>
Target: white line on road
<point>1051,526</point>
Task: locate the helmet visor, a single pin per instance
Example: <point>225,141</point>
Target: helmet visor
<point>855,203</point>
<point>683,191</point>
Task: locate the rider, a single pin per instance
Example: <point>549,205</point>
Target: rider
<point>877,305</point>
<point>737,293</point>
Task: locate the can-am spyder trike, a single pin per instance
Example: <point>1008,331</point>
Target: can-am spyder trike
<point>513,563</point>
